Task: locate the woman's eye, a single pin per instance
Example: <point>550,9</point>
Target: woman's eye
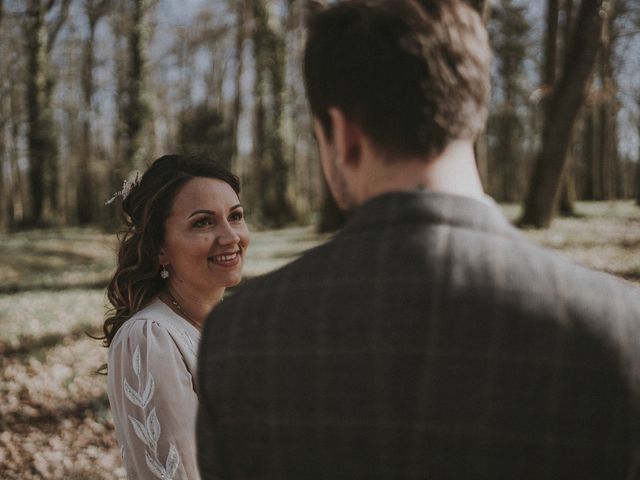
<point>203,222</point>
<point>236,216</point>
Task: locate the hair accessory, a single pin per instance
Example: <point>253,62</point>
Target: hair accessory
<point>164,273</point>
<point>127,186</point>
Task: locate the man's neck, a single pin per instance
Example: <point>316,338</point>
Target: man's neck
<point>453,171</point>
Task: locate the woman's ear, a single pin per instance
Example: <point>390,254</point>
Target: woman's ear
<point>163,258</point>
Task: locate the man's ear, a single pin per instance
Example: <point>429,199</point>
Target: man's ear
<point>347,138</point>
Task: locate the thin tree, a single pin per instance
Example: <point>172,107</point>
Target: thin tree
<point>509,37</point>
<point>240,34</point>
<point>271,170</point>
<point>602,166</point>
<point>135,108</point>
<point>638,162</point>
<point>556,42</point>
<point>94,10</point>
<point>566,97</point>
<point>40,35</point>
<point>4,119</point>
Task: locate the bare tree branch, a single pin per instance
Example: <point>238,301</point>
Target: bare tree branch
<point>58,22</point>
<point>96,9</point>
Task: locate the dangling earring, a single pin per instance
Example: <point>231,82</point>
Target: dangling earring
<point>164,273</point>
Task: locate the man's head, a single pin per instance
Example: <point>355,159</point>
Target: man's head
<point>412,76</point>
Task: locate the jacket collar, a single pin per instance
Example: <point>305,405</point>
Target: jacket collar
<point>428,207</point>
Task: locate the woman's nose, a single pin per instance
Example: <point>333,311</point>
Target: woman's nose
<point>228,236</point>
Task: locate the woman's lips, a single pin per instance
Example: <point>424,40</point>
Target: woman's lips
<point>226,259</point>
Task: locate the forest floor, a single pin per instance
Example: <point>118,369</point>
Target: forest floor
<point>54,413</point>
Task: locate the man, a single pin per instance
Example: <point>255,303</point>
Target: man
<point>428,339</point>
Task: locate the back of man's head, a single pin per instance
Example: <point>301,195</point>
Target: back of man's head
<point>413,74</point>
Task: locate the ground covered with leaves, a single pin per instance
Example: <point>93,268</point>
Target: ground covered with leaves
<point>55,421</point>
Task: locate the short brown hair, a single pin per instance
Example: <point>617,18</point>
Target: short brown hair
<point>414,75</point>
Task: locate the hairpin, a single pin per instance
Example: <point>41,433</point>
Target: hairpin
<point>127,186</point>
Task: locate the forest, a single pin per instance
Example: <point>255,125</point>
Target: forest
<point>94,90</point>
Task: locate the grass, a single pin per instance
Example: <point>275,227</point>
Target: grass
<point>604,236</point>
<point>55,259</point>
<point>54,417</point>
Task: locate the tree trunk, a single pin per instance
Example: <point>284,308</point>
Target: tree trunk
<point>568,193</point>
<point>41,142</point>
<point>553,56</point>
<point>136,106</point>
<point>551,44</point>
<point>592,190</point>
<point>603,179</point>
<point>638,162</point>
<point>566,98</point>
<point>42,147</point>
<point>609,111</point>
<point>84,187</point>
<point>18,206</point>
<point>237,78</point>
<point>273,166</point>
<point>18,198</point>
<point>505,157</point>
<point>4,200</point>
<point>119,166</point>
<point>259,173</point>
<point>4,118</point>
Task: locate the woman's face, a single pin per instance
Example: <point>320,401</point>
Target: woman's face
<point>206,237</point>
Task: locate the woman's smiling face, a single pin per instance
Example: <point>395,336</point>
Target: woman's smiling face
<point>205,237</point>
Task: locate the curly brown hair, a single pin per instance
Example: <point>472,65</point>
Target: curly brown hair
<point>145,210</point>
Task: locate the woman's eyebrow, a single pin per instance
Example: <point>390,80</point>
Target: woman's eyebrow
<point>211,212</point>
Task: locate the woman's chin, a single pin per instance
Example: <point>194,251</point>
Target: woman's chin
<point>232,279</point>
<point>235,281</point>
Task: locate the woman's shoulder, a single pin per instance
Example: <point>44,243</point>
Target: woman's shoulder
<point>151,314</point>
<point>156,323</point>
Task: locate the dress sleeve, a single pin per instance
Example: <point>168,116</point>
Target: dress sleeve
<point>154,404</point>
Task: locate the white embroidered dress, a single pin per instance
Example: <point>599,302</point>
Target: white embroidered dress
<point>152,393</point>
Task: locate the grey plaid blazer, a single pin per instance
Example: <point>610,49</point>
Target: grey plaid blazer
<point>427,340</point>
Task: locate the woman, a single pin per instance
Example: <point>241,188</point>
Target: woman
<point>184,243</point>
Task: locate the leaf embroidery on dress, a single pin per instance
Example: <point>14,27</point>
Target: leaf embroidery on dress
<point>153,426</point>
<point>133,395</point>
<point>148,391</point>
<point>173,460</point>
<point>149,431</point>
<point>156,467</point>
<point>169,470</point>
<point>141,431</point>
<point>136,361</point>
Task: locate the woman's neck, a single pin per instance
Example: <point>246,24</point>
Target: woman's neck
<point>194,308</point>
